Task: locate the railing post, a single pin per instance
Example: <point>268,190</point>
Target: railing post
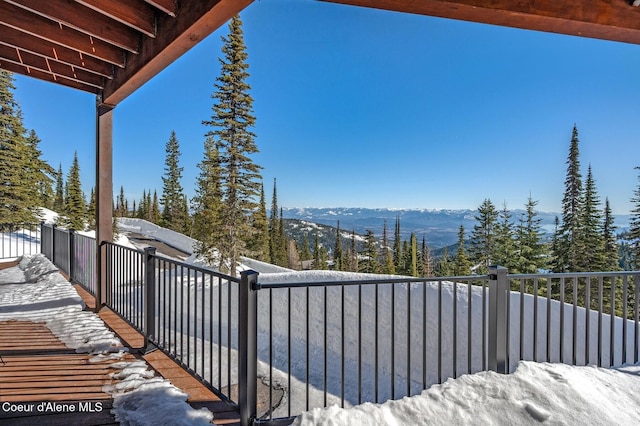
<point>72,234</point>
<point>247,346</point>
<point>149,299</point>
<point>53,244</point>
<point>42,250</point>
<point>498,319</point>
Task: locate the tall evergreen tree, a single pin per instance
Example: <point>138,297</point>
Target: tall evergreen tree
<point>40,172</point>
<point>232,119</point>
<point>426,261</point>
<point>275,238</point>
<point>531,256</point>
<point>634,227</point>
<point>387,258</point>
<point>259,244</point>
<point>504,252</point>
<point>482,238</point>
<point>570,245</point>
<point>352,256</point>
<point>91,210</point>
<point>444,268</point>
<point>413,259</point>
<point>207,205</point>
<point>174,212</point>
<point>17,200</point>
<point>370,262</point>
<point>338,256</point>
<point>397,248</point>
<point>75,208</point>
<point>283,243</point>
<point>610,249</point>
<point>461,263</point>
<point>305,253</point>
<point>121,210</point>
<point>316,252</point>
<point>592,257</point>
<point>154,207</point>
<point>58,201</point>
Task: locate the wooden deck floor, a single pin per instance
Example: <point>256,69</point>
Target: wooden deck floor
<point>199,395</point>
<point>37,368</point>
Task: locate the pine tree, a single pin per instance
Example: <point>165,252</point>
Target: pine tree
<point>387,258</point>
<point>17,200</point>
<point>283,244</point>
<point>259,245</point>
<point>40,172</point>
<point>482,238</point>
<point>338,256</point>
<point>316,252</point>
<point>173,213</point>
<point>154,209</point>
<point>305,253</point>
<point>397,248</point>
<point>293,256</point>
<point>273,226</point>
<point>143,207</point>
<point>413,259</point>
<point>528,242</point>
<point>58,202</point>
<point>461,263</point>
<point>426,261</point>
<point>370,263</point>
<point>75,208</point>
<point>121,210</point>
<point>610,249</point>
<point>207,205</point>
<point>504,252</point>
<point>591,221</point>
<point>634,227</point>
<point>232,119</point>
<point>444,267</point>
<point>570,245</point>
<point>352,256</point>
<point>91,210</point>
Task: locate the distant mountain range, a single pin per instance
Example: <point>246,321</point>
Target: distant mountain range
<point>440,227</point>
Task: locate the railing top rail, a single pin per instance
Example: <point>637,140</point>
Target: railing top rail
<point>573,275</point>
<point>177,262</point>
<point>399,280</point>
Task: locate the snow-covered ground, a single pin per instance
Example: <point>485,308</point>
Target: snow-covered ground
<point>33,291</point>
<point>553,394</point>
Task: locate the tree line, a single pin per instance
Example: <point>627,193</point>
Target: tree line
<point>228,215</point>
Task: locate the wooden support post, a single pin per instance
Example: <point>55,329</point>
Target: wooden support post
<point>104,193</point>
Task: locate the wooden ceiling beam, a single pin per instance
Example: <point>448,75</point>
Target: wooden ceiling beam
<point>612,20</point>
<point>167,6</point>
<point>35,73</point>
<point>26,42</point>
<point>47,65</point>
<point>85,20</point>
<point>135,14</point>
<point>193,22</point>
<point>30,23</point>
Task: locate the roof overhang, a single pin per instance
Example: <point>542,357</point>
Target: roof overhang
<point>616,20</point>
<point>106,47</point>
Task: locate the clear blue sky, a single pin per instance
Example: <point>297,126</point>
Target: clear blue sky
<point>364,108</point>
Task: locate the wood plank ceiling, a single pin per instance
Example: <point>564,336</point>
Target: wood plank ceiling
<point>616,20</point>
<point>112,47</point>
<point>106,47</point>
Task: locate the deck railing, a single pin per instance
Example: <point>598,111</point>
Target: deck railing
<point>18,240</point>
<point>73,253</point>
<point>347,342</point>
